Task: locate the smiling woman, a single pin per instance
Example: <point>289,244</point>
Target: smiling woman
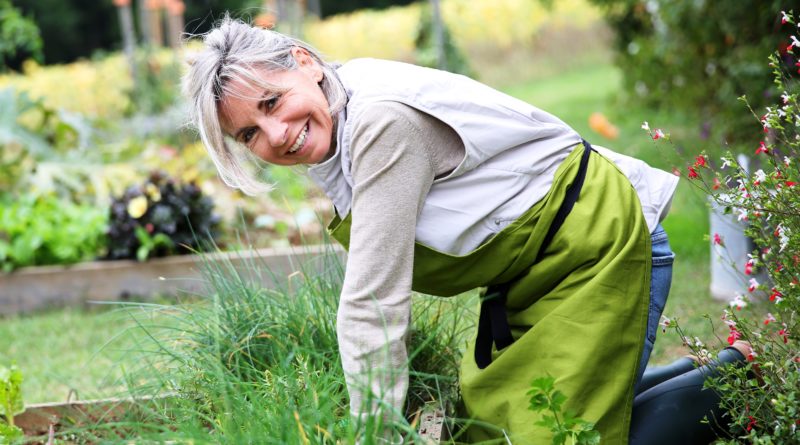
<point>285,122</point>
<point>441,185</point>
<point>257,94</point>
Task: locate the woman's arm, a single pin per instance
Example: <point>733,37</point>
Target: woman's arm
<point>396,153</point>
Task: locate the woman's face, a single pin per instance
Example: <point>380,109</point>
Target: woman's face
<point>290,127</point>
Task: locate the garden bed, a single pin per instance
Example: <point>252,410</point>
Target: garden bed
<point>34,288</point>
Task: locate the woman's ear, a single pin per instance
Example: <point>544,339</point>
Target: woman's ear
<point>307,63</point>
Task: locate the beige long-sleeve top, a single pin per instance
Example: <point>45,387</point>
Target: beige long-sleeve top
<point>397,152</point>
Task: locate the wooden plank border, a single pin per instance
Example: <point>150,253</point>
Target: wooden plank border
<point>34,288</point>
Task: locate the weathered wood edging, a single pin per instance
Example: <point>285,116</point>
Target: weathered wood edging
<point>37,419</point>
<point>33,288</point>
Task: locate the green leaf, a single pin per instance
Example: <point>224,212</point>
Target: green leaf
<point>544,384</point>
<point>589,437</point>
<point>11,391</point>
<point>558,399</point>
<point>539,402</point>
<point>9,434</point>
<point>560,437</point>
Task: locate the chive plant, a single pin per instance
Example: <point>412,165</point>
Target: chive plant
<point>244,364</point>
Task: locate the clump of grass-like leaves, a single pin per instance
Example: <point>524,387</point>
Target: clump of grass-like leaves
<point>245,364</point>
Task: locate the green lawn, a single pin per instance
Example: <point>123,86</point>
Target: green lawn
<point>63,350</point>
<point>70,353</point>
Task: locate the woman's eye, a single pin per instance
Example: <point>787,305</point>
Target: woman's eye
<point>271,102</point>
<point>247,136</point>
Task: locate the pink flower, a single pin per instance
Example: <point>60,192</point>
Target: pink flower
<point>784,17</point>
<point>784,334</point>
<point>718,240</point>
<point>770,318</point>
<point>775,293</point>
<point>716,184</point>
<point>753,285</point>
<point>733,336</point>
<point>658,134</point>
<point>748,267</point>
<point>762,148</point>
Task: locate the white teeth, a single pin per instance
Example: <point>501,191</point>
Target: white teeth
<point>300,140</point>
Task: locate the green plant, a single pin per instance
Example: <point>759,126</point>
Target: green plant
<point>160,217</point>
<point>10,402</point>
<point>240,354</point>
<point>39,230</point>
<point>760,399</point>
<point>19,36</point>
<point>150,243</point>
<point>672,58</point>
<point>564,426</point>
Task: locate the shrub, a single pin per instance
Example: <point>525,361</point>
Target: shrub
<point>46,230</point>
<point>160,217</point>
<point>698,55</point>
<point>19,36</point>
<point>761,399</point>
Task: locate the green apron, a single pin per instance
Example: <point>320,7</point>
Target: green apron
<point>578,313</point>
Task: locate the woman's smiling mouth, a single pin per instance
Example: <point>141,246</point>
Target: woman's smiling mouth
<point>301,139</point>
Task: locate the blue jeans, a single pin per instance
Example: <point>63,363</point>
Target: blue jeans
<point>660,280</point>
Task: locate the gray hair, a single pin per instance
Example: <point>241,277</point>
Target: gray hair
<point>234,51</point>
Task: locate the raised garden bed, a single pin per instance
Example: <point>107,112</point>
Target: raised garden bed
<point>33,288</point>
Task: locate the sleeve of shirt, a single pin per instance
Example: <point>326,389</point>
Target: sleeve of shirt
<point>392,174</point>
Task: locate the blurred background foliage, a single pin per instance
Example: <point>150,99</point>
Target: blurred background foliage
<point>86,130</point>
<point>700,55</point>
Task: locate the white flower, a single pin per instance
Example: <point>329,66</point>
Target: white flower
<point>726,162</point>
<point>739,302</point>
<point>785,97</point>
<point>742,216</point>
<point>786,161</point>
<point>760,175</point>
<point>646,126</point>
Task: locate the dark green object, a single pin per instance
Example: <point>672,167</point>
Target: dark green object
<point>700,55</point>
<point>19,37</point>
<point>175,218</point>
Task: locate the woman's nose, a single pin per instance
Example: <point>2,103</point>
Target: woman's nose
<point>275,130</point>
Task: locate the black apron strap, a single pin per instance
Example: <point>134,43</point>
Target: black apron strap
<point>493,321</point>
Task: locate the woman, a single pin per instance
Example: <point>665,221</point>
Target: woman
<point>441,185</point>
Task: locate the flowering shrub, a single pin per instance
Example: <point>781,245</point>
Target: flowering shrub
<point>762,398</point>
<point>159,218</point>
